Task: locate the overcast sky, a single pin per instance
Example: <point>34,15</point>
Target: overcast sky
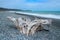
<point>42,5</point>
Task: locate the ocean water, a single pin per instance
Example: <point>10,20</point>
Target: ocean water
<point>46,14</point>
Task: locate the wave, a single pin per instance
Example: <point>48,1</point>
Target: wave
<point>41,15</point>
<point>49,16</point>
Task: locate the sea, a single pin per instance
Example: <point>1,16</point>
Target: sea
<point>50,14</point>
<point>46,14</point>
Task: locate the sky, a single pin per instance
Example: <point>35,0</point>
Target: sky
<point>38,5</point>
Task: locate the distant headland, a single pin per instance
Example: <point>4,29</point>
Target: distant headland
<point>8,9</point>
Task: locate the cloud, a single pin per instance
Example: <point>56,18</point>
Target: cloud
<point>50,5</point>
<point>24,4</point>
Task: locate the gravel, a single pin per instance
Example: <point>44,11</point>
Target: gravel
<point>8,31</point>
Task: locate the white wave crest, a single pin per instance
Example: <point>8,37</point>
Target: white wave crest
<point>42,15</point>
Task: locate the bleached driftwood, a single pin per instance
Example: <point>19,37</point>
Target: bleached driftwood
<point>32,27</point>
<point>37,24</point>
<point>26,26</point>
<point>21,23</point>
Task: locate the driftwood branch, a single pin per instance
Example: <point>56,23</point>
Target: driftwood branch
<point>26,26</point>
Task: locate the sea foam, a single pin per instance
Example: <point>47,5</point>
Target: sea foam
<point>41,15</point>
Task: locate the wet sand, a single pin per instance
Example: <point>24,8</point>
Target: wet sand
<point>8,31</point>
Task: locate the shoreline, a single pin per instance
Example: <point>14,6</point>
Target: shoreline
<point>45,16</point>
<point>49,16</point>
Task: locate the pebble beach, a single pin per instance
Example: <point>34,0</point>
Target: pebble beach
<point>8,31</point>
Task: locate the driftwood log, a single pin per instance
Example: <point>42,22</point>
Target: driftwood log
<point>26,26</point>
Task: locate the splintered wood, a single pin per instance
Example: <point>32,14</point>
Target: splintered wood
<point>26,26</point>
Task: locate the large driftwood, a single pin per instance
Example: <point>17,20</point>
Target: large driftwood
<point>26,26</point>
